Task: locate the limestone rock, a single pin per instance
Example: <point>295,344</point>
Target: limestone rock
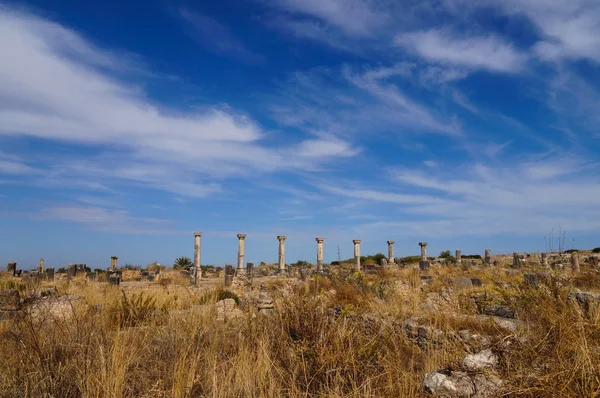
<point>502,311</point>
<point>449,384</point>
<point>446,383</point>
<point>265,303</point>
<point>462,283</point>
<point>482,360</point>
<point>584,299</point>
<point>226,309</point>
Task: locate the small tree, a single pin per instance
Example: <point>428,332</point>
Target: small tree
<point>447,256</point>
<point>182,262</point>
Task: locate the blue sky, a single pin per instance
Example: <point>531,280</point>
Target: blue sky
<point>126,126</point>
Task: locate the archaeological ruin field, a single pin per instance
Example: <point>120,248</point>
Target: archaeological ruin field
<point>514,325</point>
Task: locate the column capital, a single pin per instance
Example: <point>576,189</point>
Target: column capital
<point>281,237</point>
<point>391,242</point>
<point>197,234</point>
<point>356,241</point>
<point>114,257</point>
<point>319,240</point>
<point>423,244</point>
<point>241,236</point>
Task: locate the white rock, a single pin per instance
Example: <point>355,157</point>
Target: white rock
<point>449,384</point>
<point>481,360</point>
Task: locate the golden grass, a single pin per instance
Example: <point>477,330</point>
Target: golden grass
<point>165,341</point>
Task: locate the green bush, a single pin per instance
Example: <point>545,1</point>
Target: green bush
<point>447,256</point>
<point>596,250</point>
<point>472,256</point>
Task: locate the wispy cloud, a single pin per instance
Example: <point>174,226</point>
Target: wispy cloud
<point>349,101</point>
<point>445,47</point>
<point>355,17</point>
<point>105,220</point>
<point>47,93</point>
<point>217,37</point>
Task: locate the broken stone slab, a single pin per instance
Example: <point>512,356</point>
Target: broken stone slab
<point>584,299</point>
<point>226,309</point>
<point>453,384</point>
<point>265,303</point>
<point>502,311</point>
<point>482,360</point>
<point>534,280</point>
<point>10,300</point>
<point>449,384</point>
<point>462,283</point>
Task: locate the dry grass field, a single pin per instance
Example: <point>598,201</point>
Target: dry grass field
<point>341,335</point>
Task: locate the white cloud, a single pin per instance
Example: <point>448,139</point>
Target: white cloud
<point>529,198</point>
<point>54,85</point>
<point>442,46</point>
<point>569,29</point>
<point>105,220</point>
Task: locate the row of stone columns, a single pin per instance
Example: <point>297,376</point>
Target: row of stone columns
<point>281,257</point>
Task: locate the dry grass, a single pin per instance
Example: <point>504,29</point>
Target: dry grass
<point>164,340</point>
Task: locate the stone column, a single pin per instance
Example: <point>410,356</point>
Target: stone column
<point>544,259</point>
<point>575,261</point>
<point>458,257</point>
<point>72,270</point>
<point>197,270</point>
<point>356,254</point>
<point>320,254</point>
<point>488,256</point>
<point>281,258</point>
<point>424,263</point>
<point>423,250</point>
<point>391,257</point>
<point>516,260</point>
<point>241,239</point>
<point>11,268</point>
<point>41,267</point>
<point>113,262</point>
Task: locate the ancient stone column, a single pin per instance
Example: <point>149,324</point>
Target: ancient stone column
<point>424,263</point>
<point>249,272</point>
<point>197,270</point>
<point>320,254</point>
<point>71,270</point>
<point>113,261</point>
<point>575,261</point>
<point>544,259</point>
<point>423,250</point>
<point>516,260</point>
<point>488,256</point>
<point>391,257</point>
<point>11,268</point>
<point>356,254</point>
<point>41,267</point>
<point>458,257</point>
<point>241,239</point>
<point>50,273</point>
<point>281,258</point>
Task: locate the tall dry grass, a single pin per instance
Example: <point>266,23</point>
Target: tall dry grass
<point>168,343</point>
